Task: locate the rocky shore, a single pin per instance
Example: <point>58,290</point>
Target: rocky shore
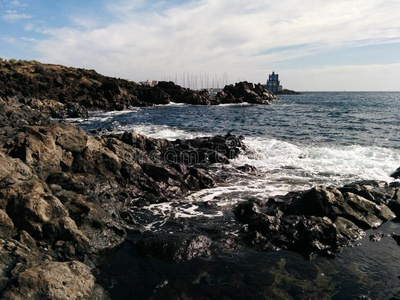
<point>68,198</point>
<point>63,92</point>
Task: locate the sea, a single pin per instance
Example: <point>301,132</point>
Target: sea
<point>300,141</point>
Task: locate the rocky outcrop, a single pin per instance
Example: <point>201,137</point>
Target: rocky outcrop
<point>68,197</point>
<point>245,92</point>
<point>59,92</point>
<point>322,220</point>
<point>178,94</point>
<point>287,92</point>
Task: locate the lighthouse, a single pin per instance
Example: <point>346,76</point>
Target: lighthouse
<point>273,83</point>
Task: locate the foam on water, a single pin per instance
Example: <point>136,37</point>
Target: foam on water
<point>282,167</point>
<point>162,131</point>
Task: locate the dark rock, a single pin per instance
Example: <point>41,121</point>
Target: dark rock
<point>61,92</point>
<point>287,92</point>
<point>245,92</point>
<point>318,221</point>
<point>247,169</point>
<point>396,174</point>
<point>376,237</point>
<point>176,248</point>
<point>205,180</point>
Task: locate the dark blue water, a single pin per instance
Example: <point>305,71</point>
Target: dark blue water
<point>362,118</point>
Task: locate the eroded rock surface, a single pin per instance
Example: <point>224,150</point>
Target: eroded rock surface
<point>322,220</point>
<point>67,197</point>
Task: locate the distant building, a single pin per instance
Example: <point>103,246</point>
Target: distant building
<point>149,83</point>
<point>273,83</point>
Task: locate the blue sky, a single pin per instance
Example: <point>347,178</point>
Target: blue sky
<point>313,44</point>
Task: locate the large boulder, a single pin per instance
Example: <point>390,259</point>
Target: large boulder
<point>330,202</point>
<point>53,280</point>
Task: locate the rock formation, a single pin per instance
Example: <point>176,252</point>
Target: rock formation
<point>322,220</point>
<point>245,92</point>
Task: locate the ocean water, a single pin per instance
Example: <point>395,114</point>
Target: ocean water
<point>295,143</point>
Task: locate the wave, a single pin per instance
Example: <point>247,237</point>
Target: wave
<point>163,131</point>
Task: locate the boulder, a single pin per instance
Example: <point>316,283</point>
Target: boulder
<point>245,92</point>
<point>53,280</point>
<point>321,220</point>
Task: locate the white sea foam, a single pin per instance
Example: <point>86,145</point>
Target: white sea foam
<point>99,117</point>
<point>162,131</point>
<point>285,167</point>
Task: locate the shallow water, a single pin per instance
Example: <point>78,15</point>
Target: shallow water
<point>369,270</point>
<point>298,142</point>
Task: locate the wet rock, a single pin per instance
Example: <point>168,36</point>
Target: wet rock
<point>247,169</point>
<point>396,174</point>
<point>321,220</point>
<point>205,181</point>
<point>376,237</point>
<point>177,248</point>
<point>330,202</point>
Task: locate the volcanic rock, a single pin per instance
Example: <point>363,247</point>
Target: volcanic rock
<point>321,220</point>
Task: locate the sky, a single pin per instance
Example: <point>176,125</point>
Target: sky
<point>314,45</point>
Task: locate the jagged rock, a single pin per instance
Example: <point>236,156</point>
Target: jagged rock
<point>6,225</point>
<point>245,92</point>
<point>176,248</point>
<point>321,220</point>
<point>182,95</point>
<point>332,203</point>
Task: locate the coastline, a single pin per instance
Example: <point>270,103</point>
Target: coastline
<point>77,194</point>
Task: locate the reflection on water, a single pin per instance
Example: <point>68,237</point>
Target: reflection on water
<point>369,270</point>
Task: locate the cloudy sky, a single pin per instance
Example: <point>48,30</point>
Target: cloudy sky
<point>312,44</point>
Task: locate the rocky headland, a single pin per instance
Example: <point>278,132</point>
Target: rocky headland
<point>287,92</point>
<point>68,198</point>
<point>62,92</point>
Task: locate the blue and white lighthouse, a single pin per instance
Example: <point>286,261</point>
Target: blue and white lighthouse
<point>273,83</point>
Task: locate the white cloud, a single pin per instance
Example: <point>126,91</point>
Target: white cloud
<point>13,16</point>
<point>211,36</point>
